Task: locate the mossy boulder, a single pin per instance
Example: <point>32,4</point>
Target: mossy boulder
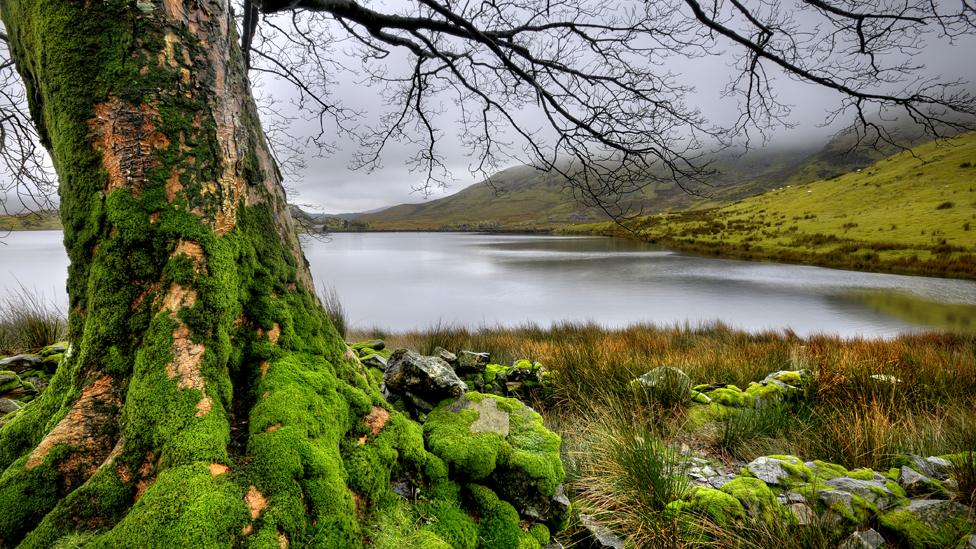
<point>20,363</point>
<point>719,507</point>
<point>58,348</point>
<point>926,523</point>
<point>503,444</point>
<point>757,498</point>
<point>470,362</point>
<point>9,381</point>
<point>780,470</point>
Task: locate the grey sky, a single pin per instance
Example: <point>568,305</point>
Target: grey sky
<point>327,184</point>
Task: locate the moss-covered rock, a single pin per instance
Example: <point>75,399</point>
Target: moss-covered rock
<point>422,381</point>
<point>924,524</point>
<point>9,381</point>
<point>502,443</point>
<point>718,506</point>
<point>756,497</point>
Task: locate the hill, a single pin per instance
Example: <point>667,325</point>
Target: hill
<point>45,220</point>
<point>914,213</point>
<point>523,198</point>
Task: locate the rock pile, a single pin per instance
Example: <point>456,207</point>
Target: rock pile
<point>24,377</point>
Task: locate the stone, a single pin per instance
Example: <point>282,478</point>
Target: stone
<point>868,539</point>
<point>39,383</point>
<point>8,406</point>
<point>469,362</point>
<point>669,382</point>
<point>502,444</point>
<point>20,363</point>
<point>600,536</point>
<point>9,381</point>
<point>937,467</point>
<point>446,356</point>
<point>375,361</point>
<point>421,380</point>
<point>872,490</point>
<point>924,523</point>
<point>720,481</point>
<point>917,484</point>
<point>54,349</point>
<point>769,470</point>
<point>837,502</point>
<point>803,514</point>
<point>790,498</point>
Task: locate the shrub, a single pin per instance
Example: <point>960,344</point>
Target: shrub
<point>28,323</point>
<point>334,309</point>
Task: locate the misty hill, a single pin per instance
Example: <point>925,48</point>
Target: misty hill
<point>525,198</point>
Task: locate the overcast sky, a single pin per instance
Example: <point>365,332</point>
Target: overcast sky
<point>327,184</point>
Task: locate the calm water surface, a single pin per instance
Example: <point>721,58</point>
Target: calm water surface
<point>400,281</point>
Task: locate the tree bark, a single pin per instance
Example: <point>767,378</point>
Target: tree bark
<point>205,399</point>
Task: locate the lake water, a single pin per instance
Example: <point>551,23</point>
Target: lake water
<point>400,281</point>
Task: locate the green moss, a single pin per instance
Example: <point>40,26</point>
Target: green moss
<point>731,396</point>
<point>540,533</point>
<point>720,507</point>
<point>9,381</point>
<point>767,393</point>
<point>499,525</point>
<point>186,506</point>
<point>905,528</point>
<point>755,496</point>
<point>450,524</point>
<point>861,474</point>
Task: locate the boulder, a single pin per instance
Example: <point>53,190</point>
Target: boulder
<point>917,484</point>
<point>874,491</point>
<point>867,539</point>
<point>925,523</point>
<point>422,381</point>
<point>469,362</point>
<point>669,383</point>
<point>779,470</point>
<point>446,356</point>
<point>374,360</point>
<point>20,363</point>
<point>58,348</point>
<point>7,406</point>
<point>502,444</point>
<point>598,535</point>
<point>9,381</point>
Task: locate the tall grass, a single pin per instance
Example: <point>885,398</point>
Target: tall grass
<point>334,309</point>
<point>28,322</point>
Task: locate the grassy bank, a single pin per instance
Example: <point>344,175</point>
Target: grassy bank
<point>620,441</point>
<point>912,213</point>
<point>46,220</point>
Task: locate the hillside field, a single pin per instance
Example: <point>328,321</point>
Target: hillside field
<point>913,213</point>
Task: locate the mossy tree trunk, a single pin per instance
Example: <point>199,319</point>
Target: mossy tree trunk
<point>205,399</point>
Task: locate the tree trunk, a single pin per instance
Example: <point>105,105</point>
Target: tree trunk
<point>205,399</point>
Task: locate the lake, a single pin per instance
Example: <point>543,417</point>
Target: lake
<point>401,281</point>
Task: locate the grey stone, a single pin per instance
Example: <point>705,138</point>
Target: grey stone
<point>803,513</point>
<point>720,481</point>
<point>469,362</point>
<point>9,381</point>
<point>872,490</point>
<point>917,484</point>
<point>768,470</point>
<point>934,512</point>
<point>423,380</point>
<point>790,498</point>
<point>446,356</point>
<point>600,536</point>
<point>834,499</point>
<point>490,418</point>
<point>19,363</point>
<point>868,539</point>
<point>7,406</point>
<point>667,380</point>
<point>374,361</point>
<point>938,467</point>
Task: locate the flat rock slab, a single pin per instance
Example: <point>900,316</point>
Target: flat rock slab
<point>491,419</point>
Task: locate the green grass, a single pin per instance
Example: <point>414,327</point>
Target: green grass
<point>914,213</point>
